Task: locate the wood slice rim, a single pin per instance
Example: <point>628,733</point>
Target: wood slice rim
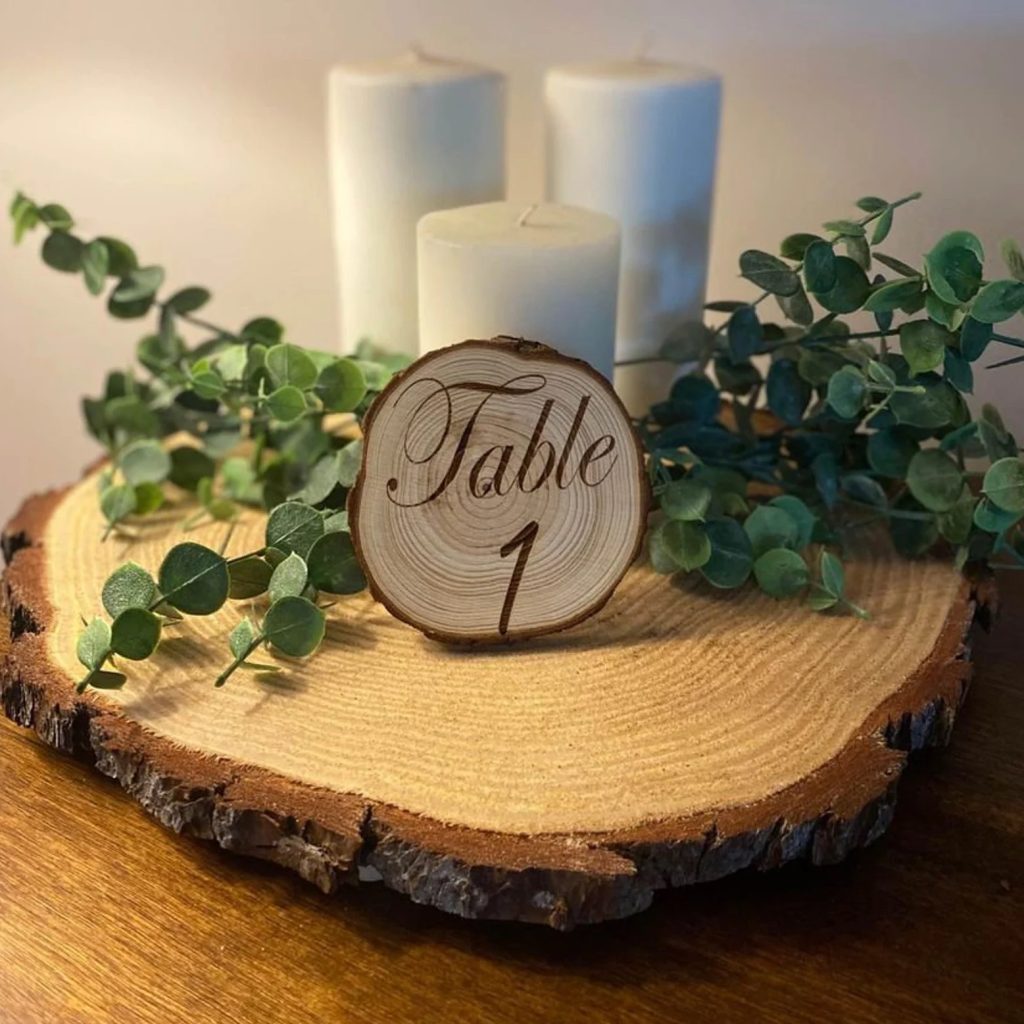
<point>332,838</point>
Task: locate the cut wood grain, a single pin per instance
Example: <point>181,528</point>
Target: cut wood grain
<point>502,493</point>
<point>675,737</point>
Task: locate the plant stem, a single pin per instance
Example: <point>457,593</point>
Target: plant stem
<point>237,663</point>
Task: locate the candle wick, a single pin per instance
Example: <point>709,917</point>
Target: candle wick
<point>526,214</point>
<point>643,46</point>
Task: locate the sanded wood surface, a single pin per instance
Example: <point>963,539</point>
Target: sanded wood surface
<point>662,743</point>
<point>502,493</point>
<point>105,918</point>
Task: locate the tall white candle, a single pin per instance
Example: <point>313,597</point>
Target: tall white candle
<point>547,272</point>
<point>406,136</point>
<point>637,140</point>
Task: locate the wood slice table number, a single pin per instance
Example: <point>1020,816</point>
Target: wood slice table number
<point>502,492</point>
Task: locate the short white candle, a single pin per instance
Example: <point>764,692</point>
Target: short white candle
<point>547,272</point>
<point>637,140</point>
<point>406,136</point>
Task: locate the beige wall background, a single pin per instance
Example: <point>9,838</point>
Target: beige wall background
<point>195,130</point>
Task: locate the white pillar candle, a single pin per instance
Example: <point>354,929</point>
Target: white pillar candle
<point>406,136</point>
<point>637,140</point>
<point>547,272</point>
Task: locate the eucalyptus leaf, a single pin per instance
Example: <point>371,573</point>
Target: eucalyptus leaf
<point>889,452</point>
<point>923,344</point>
<point>289,578</point>
<point>820,273</point>
<point>341,385</point>
<point>770,527</point>
<point>794,247</point>
<point>291,365</point>
<point>128,586</point>
<point>194,579</point>
<point>294,626</point>
<point>998,301</point>
<point>286,404</point>
<point>744,334</point>
<point>117,503</point>
<point>934,479</point>
<point>847,390</point>
<point>135,634</point>
<point>94,644</point>
<point>62,251</point>
<point>1004,484</point>
<point>248,577</point>
<point>974,338</point>
<point>144,462</point>
<point>833,577</point>
<point>798,511</point>
<point>685,499</point>
<point>687,543</point>
<point>294,527</point>
<point>893,295</point>
<point>95,262</point>
<point>850,290</point>
<point>768,272</point>
<point>333,566</point>
<point>1014,259</point>
<point>732,557</point>
<point>781,573</point>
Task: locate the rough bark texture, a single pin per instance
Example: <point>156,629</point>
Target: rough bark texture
<point>331,838</point>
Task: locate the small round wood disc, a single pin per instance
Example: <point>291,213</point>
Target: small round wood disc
<point>502,492</point>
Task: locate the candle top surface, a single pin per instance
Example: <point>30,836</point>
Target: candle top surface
<point>410,68</point>
<point>641,73</point>
<point>518,225</point>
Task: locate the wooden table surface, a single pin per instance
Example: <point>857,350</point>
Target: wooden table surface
<point>105,916</point>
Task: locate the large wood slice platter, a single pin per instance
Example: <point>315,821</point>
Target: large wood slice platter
<point>676,736</point>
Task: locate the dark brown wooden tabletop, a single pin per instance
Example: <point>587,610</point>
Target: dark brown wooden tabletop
<point>106,916</point>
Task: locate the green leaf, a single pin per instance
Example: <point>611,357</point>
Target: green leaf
<point>189,466</point>
<point>863,488</point>
<point>94,644</point>
<point>335,522</point>
<point>820,273</point>
<point>662,560</point>
<point>117,503</point>
<point>249,577</point>
<point>685,499</point>
<point>144,462</point>
<point>974,338</point>
<point>341,385</point>
<point>936,407</point>
<point>958,371</point>
<point>103,680</point>
<point>349,460</point>
<point>935,480</point>
<point>768,272</point>
<point>287,404</point>
<point>893,295</point>
<point>859,251</point>
<point>744,334</point>
<point>132,310</point>
<point>263,329</point>
<point>889,452</point>
<point>781,573</point>
<point>128,586</point>
<point>333,566</point>
<point>797,307</point>
<point>140,284</point>
<point>25,215</point>
<point>294,526</point>
<point>294,626</point>
<point>1004,484</point>
<point>847,390</point>
<point>122,260</point>
<point>901,268</point>
<point>992,519</point>
<point>188,300</point>
<point>794,247</point>
<point>882,228</point>
<point>871,204</point>
<point>820,602</point>
<point>1014,259</point>
<point>194,579</point>
<point>787,392</point>
<point>998,301</point>
<point>289,578</point>
<point>148,498</point>
<point>95,263</point>
<point>732,556</point>
<point>818,364</point>
<point>955,524</point>
<point>289,364</point>
<point>239,480</point>
<point>130,414</point>
<point>844,228</point>
<point>850,290</point>
<point>696,399</point>
<point>833,576</point>
<point>56,217</point>
<point>135,634</point>
<point>923,344</point>
<point>769,526</point>
<point>688,342</point>
<point>953,267</point>
<point>800,514</point>
<point>63,252</point>
<point>687,543</point>
<point>242,637</point>
<point>208,383</point>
